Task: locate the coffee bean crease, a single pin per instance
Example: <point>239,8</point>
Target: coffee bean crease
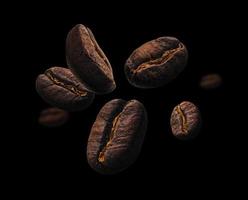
<point>111,136</point>
<point>69,87</point>
<point>167,55</point>
<point>184,126</point>
<point>113,131</point>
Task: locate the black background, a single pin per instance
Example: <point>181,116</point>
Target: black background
<point>58,155</point>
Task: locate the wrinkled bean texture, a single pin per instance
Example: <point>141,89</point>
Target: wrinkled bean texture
<point>60,88</point>
<point>185,120</point>
<point>87,60</point>
<point>116,136</point>
<point>156,62</point>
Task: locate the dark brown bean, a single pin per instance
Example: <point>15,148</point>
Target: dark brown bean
<point>185,120</point>
<point>156,62</point>
<point>210,81</point>
<point>53,117</point>
<point>60,88</point>
<point>116,136</point>
<point>87,61</point>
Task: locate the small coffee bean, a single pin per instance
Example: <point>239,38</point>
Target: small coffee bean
<point>53,117</point>
<point>156,62</point>
<point>60,88</point>
<point>210,81</point>
<point>185,120</point>
<point>116,136</point>
<point>87,61</point>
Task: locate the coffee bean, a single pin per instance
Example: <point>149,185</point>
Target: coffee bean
<point>53,117</point>
<point>116,136</point>
<point>60,88</point>
<point>87,60</point>
<point>210,81</point>
<point>156,62</point>
<point>185,120</point>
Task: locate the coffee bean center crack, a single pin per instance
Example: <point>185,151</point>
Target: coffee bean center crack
<point>184,125</point>
<point>167,55</point>
<point>71,88</point>
<point>115,124</point>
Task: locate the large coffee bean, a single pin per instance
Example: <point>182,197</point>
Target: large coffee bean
<point>116,136</point>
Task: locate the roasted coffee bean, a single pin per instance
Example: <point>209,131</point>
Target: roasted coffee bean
<point>116,136</point>
<point>185,120</point>
<point>156,62</point>
<point>210,81</point>
<point>53,117</point>
<point>87,61</point>
<point>60,88</point>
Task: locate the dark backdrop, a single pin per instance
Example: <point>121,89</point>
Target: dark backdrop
<point>58,155</point>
